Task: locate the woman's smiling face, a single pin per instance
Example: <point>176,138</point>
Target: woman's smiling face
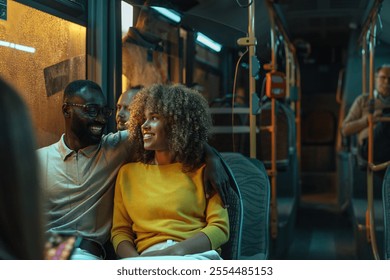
<point>154,132</point>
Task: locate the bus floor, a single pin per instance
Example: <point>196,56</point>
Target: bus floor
<point>322,235</point>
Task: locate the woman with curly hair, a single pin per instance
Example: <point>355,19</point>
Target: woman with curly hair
<point>160,206</point>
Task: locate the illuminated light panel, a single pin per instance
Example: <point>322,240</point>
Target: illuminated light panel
<point>17,47</point>
<point>201,38</point>
<point>168,13</point>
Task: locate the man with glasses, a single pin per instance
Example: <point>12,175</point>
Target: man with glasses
<point>79,171</point>
<point>356,122</point>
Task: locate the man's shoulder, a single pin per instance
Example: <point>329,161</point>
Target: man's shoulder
<point>362,99</point>
<point>364,96</point>
<point>47,148</point>
<point>48,153</point>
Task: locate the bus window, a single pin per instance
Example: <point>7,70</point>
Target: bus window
<point>40,54</point>
<point>150,48</point>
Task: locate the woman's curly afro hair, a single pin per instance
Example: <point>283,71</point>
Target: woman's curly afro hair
<point>187,118</point>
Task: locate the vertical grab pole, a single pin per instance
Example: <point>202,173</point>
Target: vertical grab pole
<point>364,67</point>
<point>370,183</point>
<point>288,71</point>
<point>273,130</point>
<point>252,82</point>
<point>298,114</point>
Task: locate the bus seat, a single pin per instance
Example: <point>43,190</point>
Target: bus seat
<point>344,167</point>
<point>362,246</point>
<point>287,200</point>
<point>254,186</point>
<point>386,213</point>
<point>287,207</point>
<point>231,250</point>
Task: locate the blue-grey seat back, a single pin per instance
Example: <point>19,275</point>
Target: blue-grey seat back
<point>231,250</point>
<point>386,213</point>
<point>254,187</point>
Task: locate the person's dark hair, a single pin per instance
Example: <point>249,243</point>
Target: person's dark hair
<point>381,67</point>
<point>134,89</point>
<point>73,88</point>
<point>187,117</point>
<point>21,216</point>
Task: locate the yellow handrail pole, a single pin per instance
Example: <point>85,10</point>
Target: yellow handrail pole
<point>274,215</point>
<point>370,191</point>
<point>364,66</point>
<point>369,30</point>
<point>273,172</point>
<point>297,82</point>
<point>339,91</point>
<point>298,114</point>
<point>339,100</point>
<point>295,79</point>
<point>288,70</point>
<point>252,81</point>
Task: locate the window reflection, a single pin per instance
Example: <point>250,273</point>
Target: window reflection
<point>40,54</point>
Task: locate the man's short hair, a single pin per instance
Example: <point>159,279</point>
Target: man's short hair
<point>74,87</point>
<point>381,67</point>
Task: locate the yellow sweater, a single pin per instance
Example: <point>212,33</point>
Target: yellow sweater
<point>154,203</point>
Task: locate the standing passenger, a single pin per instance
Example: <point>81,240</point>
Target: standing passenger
<point>356,122</point>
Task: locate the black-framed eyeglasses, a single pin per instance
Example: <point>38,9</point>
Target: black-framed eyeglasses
<point>93,110</point>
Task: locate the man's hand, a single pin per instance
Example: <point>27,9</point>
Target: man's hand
<point>376,117</point>
<point>215,178</point>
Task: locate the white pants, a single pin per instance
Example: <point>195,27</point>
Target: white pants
<point>208,255</point>
<point>81,254</point>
